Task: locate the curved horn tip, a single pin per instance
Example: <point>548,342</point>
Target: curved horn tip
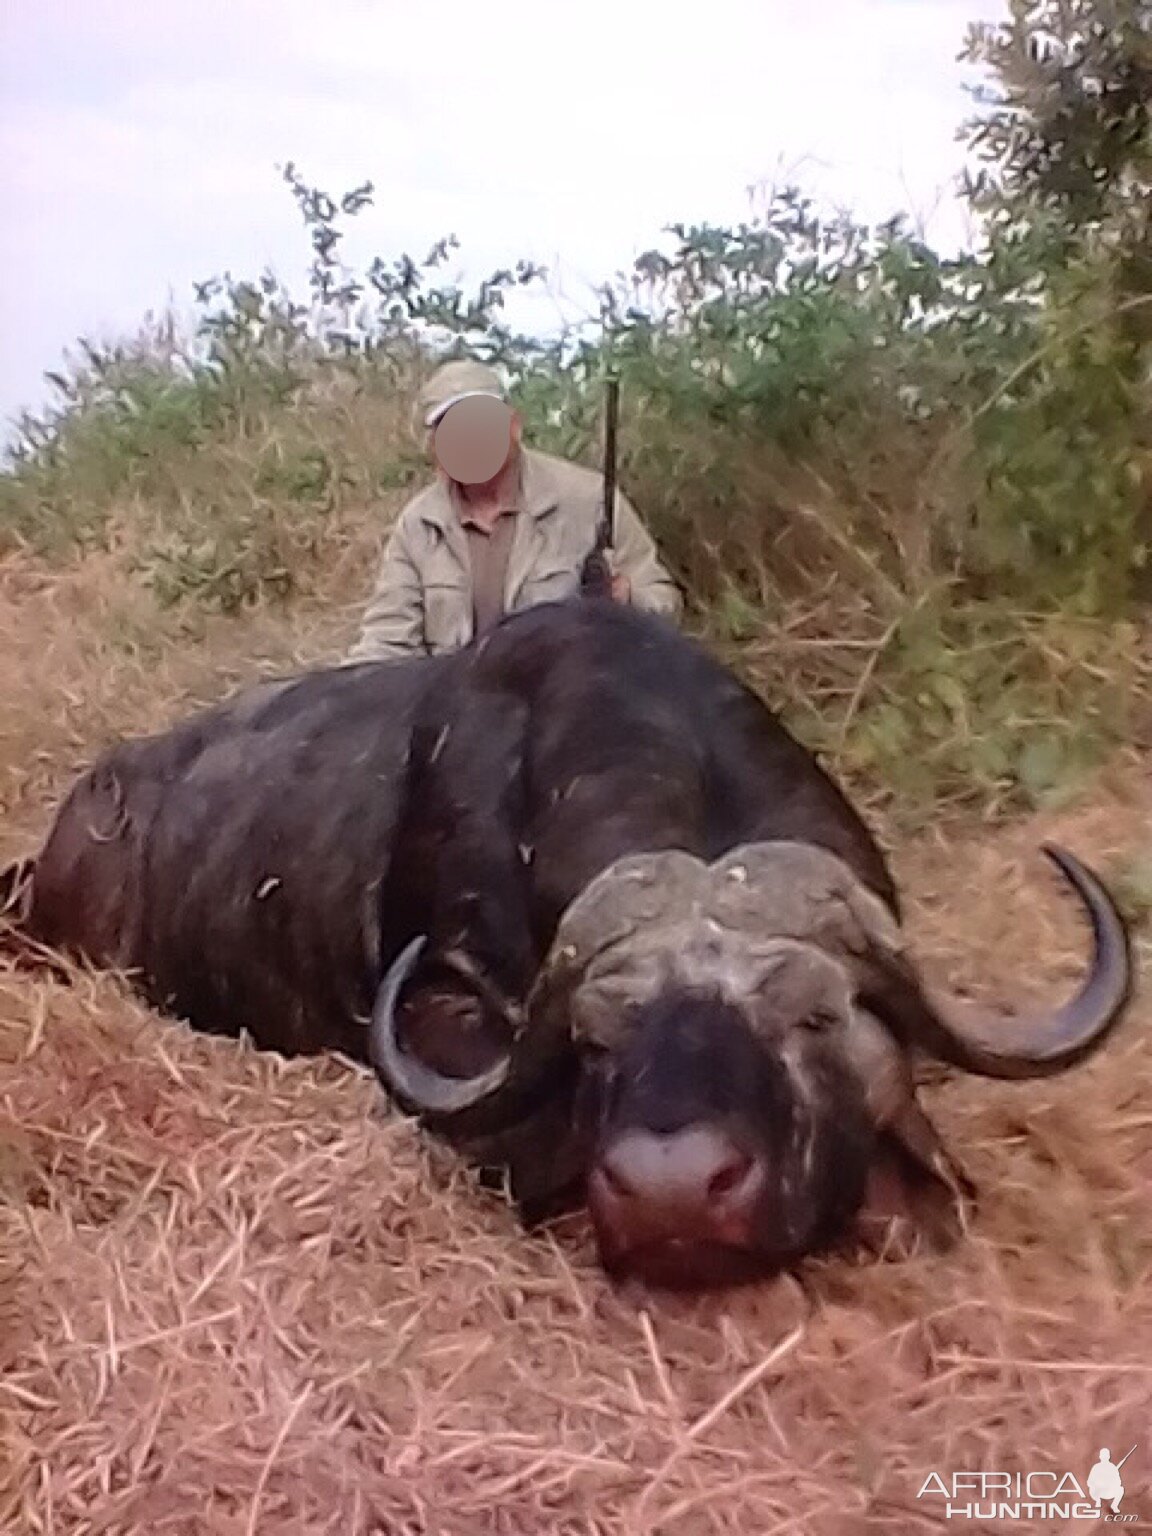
<point>1090,887</point>
<point>1064,859</point>
<point>429,1092</point>
<point>1074,869</point>
<point>406,959</point>
<point>1055,1041</point>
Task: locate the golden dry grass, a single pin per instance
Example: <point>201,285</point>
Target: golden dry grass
<point>237,1296</point>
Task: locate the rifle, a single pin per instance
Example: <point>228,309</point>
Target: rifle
<point>596,578</point>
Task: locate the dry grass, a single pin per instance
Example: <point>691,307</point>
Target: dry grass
<point>238,1297</point>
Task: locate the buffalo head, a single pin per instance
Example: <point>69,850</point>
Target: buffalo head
<point>741,1040</point>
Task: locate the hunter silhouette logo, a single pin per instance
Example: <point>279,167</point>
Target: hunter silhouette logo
<point>1104,1482</point>
<point>1034,1495</point>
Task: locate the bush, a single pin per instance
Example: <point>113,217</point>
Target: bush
<point>945,460</point>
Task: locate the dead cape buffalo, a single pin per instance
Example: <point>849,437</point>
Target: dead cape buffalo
<point>590,912</point>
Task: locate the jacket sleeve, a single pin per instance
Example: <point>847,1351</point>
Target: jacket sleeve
<point>635,556</point>
<point>393,622</point>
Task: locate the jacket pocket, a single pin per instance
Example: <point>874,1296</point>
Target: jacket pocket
<point>550,583</point>
<point>447,615</point>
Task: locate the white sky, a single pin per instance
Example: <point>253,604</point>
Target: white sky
<point>139,139</point>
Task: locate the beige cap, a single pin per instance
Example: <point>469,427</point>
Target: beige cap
<point>453,382</point>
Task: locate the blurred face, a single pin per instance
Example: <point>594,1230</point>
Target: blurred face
<point>474,440</point>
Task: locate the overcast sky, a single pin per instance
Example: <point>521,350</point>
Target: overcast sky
<point>139,139</point>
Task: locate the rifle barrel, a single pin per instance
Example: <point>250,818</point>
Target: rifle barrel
<point>612,411</point>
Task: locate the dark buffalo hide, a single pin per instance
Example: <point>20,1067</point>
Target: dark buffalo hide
<point>263,865</point>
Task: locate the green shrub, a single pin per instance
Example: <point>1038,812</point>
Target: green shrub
<point>947,459</point>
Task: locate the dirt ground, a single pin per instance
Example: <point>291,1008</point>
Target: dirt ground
<point>238,1296</point>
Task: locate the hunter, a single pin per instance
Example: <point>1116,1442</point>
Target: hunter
<point>501,528</point>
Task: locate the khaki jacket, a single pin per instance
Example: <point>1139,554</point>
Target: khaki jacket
<point>422,601</point>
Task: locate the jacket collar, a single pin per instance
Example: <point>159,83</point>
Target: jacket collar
<point>537,481</point>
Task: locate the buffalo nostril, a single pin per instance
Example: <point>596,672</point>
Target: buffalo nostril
<point>695,1169</point>
<point>729,1178</point>
<point>615,1178</point>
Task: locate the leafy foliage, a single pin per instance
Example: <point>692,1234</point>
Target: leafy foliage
<point>1067,130</point>
<point>1065,186</point>
<point>946,459</point>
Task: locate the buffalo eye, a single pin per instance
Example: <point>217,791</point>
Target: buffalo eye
<point>820,1021</point>
<point>599,1064</point>
<point>595,1046</point>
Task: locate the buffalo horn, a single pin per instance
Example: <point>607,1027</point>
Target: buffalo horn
<point>1047,1042</point>
<point>404,1075</point>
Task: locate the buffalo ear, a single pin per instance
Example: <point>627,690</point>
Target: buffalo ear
<point>917,1199</point>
